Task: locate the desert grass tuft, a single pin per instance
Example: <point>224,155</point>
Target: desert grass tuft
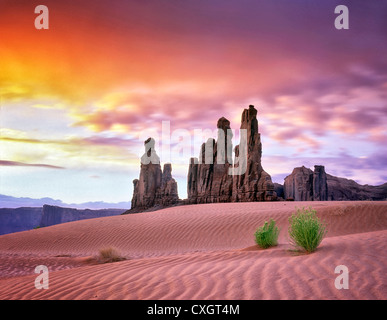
<point>109,254</point>
<point>306,231</point>
<point>267,235</point>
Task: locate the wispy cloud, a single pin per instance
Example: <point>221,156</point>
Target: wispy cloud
<point>8,163</point>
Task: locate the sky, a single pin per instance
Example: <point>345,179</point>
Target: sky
<point>79,99</point>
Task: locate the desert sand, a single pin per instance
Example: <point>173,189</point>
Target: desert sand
<point>204,251</point>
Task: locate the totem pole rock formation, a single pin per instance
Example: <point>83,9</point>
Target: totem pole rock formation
<point>153,187</point>
<point>216,179</point>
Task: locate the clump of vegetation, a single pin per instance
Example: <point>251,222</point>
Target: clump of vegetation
<point>306,231</point>
<point>267,235</point>
<point>109,254</point>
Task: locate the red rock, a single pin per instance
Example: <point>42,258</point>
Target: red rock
<point>153,187</point>
<point>209,178</point>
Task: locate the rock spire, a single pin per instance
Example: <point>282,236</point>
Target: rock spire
<point>154,187</point>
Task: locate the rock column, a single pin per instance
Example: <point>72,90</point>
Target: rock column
<point>153,187</point>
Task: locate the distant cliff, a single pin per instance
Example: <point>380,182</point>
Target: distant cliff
<point>56,215</point>
<point>304,184</point>
<point>21,219</point>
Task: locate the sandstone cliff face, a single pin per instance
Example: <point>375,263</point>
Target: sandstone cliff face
<point>306,185</point>
<point>298,185</point>
<point>210,177</point>
<point>154,187</point>
<point>320,184</point>
<point>55,215</point>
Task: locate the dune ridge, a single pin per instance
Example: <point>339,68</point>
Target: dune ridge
<point>204,251</point>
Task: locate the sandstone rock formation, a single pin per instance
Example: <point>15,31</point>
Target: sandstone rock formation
<point>167,194</point>
<point>299,185</point>
<point>208,177</point>
<point>153,187</point>
<point>304,184</point>
<point>221,187</point>
<point>214,178</point>
<point>144,188</point>
<point>254,184</point>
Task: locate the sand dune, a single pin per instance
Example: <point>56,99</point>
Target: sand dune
<point>201,252</point>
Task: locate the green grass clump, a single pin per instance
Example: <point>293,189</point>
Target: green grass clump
<point>305,230</point>
<point>267,235</point>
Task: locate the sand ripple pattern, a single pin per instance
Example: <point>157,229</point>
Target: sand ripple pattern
<point>201,252</point>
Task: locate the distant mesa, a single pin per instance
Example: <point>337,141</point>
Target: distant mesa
<point>27,218</point>
<point>21,214</point>
<point>19,219</point>
<point>52,215</point>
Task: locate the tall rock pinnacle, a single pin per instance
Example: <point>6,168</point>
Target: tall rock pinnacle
<point>253,184</point>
